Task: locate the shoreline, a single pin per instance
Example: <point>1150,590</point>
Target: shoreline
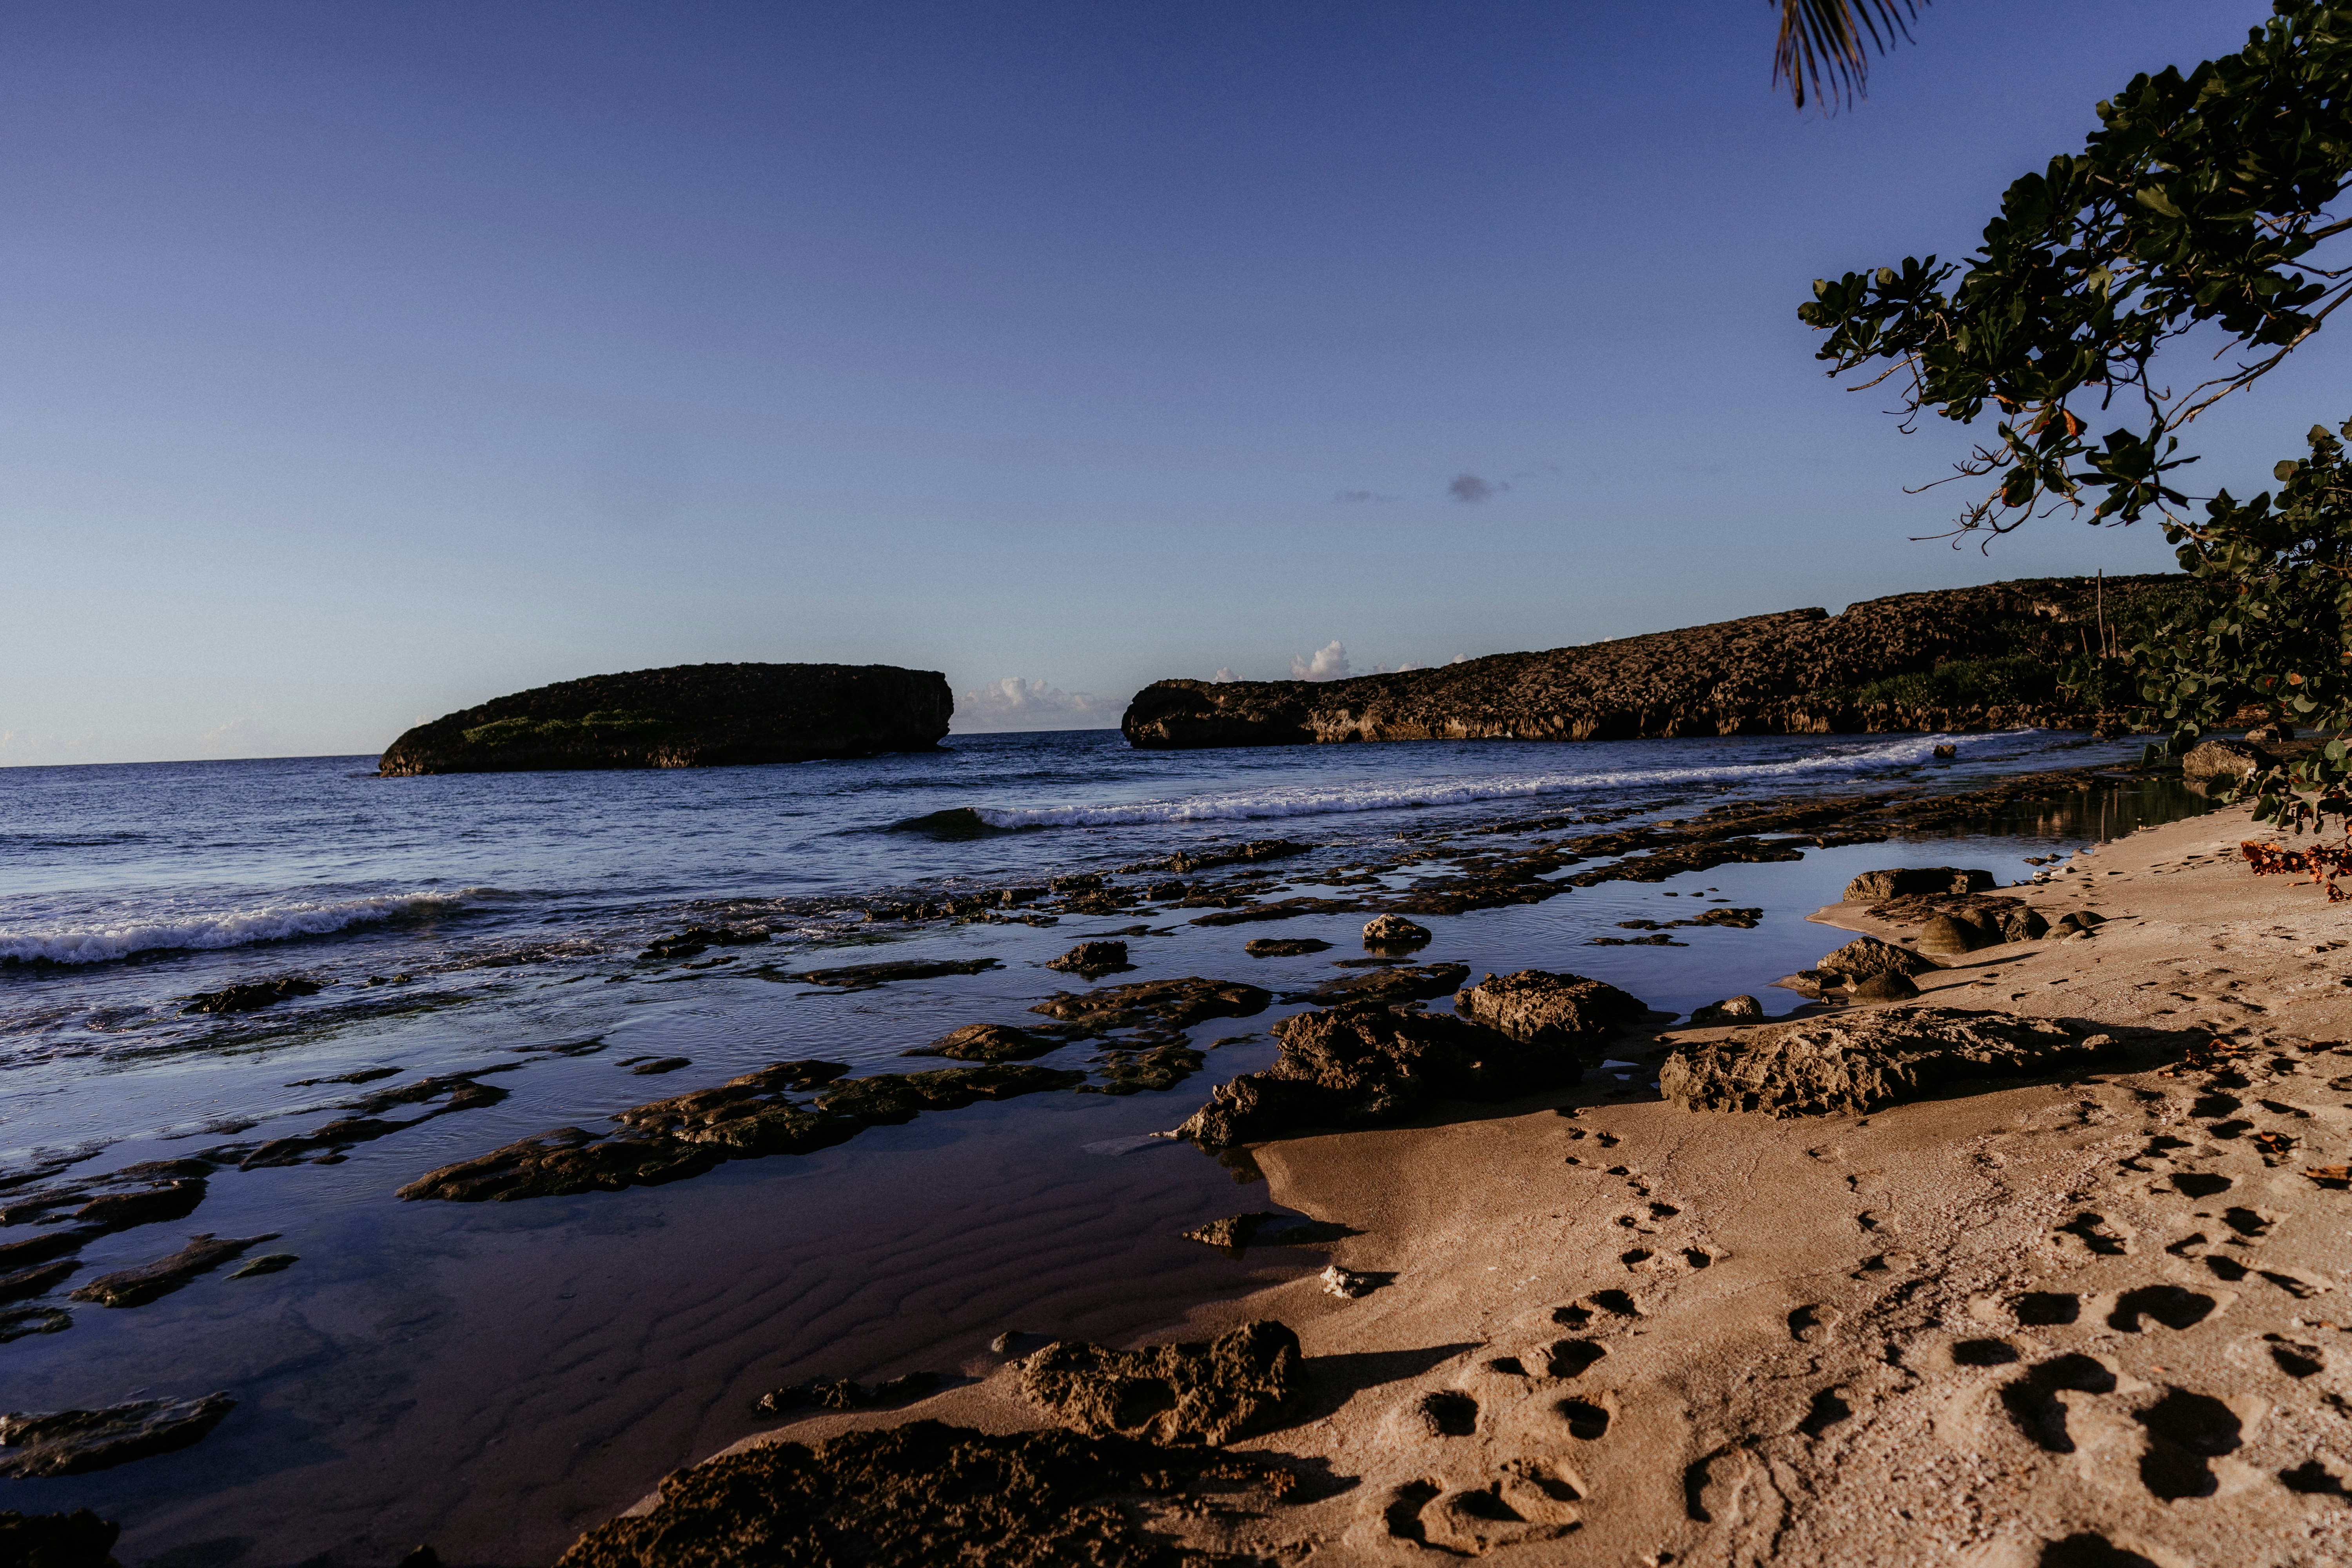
<point>1845,1376</point>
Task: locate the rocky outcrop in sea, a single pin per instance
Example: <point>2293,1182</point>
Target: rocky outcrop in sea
<point>1962,658</point>
<point>688,716</point>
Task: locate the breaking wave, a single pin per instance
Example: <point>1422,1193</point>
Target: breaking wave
<point>98,942</point>
<point>1391,794</point>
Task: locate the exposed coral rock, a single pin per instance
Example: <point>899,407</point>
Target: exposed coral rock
<point>1912,881</point>
<point>865,976</point>
<point>746,1117</point>
<point>1857,1062</point>
<point>1361,1067</point>
<point>76,1540</point>
<point>990,1043</point>
<point>1799,672</point>
<point>567,1160</point>
<point>1393,930</point>
<point>1092,958</point>
<point>134,1287</point>
<point>70,1442</point>
<point>1164,1004</point>
<point>1207,1391</point>
<point>687,716</point>
<point>1535,1005</point>
<point>888,1097</point>
<point>2225,760</point>
<point>1284,947</point>
<point>696,939</point>
<point>1866,955</point>
<point>1157,1068</point>
<point>920,1495</point>
<point>1398,983</point>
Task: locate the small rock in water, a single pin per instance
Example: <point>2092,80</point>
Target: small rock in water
<point>1946,753</point>
<point>1732,1010</point>
<point>1345,1283</point>
<point>1092,958</point>
<point>990,1043</point>
<point>72,1442</point>
<point>255,994</point>
<point>1393,930</point>
<point>16,1325</point>
<point>1283,947</point>
<point>268,1263</point>
<point>133,1287</point>
<point>662,1064</point>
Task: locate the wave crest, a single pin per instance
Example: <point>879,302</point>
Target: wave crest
<point>1317,800</point>
<point>100,943</point>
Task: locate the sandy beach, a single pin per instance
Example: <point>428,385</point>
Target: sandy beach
<point>2048,1323</point>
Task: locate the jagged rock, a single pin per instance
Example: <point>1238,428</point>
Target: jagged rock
<point>246,998</point>
<point>1284,947</point>
<point>1866,955</point>
<point>1163,1003</point>
<point>1558,1009</point>
<point>1798,672</point>
<point>1092,958</point>
<point>1734,1010</point>
<point>687,716</point>
<point>919,1495</point>
<point>71,1442</point>
<point>888,1097</point>
<point>1913,882</point>
<point>1362,1067</point>
<point>745,1118</point>
<point>1393,930</point>
<point>1398,983</point>
<point>990,1043</point>
<point>76,1540</point>
<point>1204,1391</point>
<point>2230,760</point>
<point>1858,1062</point>
<point>844,1395</point>
<point>134,1287</point>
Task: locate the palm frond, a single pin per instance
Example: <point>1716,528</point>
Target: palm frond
<point>1820,48</point>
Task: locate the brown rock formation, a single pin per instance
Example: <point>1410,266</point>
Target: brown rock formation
<point>1956,659</point>
<point>688,716</point>
<point>1204,1391</point>
<point>1859,1062</point>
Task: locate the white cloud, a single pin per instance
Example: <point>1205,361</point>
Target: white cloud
<point>1225,675</point>
<point>1013,704</point>
<point>1328,662</point>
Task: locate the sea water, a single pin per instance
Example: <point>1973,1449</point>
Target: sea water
<point>495,1378</point>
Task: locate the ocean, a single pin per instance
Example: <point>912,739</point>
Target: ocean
<point>493,1378</point>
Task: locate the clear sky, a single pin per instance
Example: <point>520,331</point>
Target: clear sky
<point>361,361</point>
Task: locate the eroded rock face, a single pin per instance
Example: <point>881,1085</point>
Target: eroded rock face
<point>1799,672</point>
<point>70,1442</point>
<point>688,716</point>
<point>1362,1067</point>
<point>1858,1062</point>
<point>1908,882</point>
<point>1536,1004</point>
<point>920,1495</point>
<point>1866,955</point>
<point>1203,1392</point>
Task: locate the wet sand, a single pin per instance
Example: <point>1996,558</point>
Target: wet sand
<point>2021,1325</point>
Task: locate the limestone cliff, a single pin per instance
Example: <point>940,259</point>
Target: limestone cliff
<point>1962,658</point>
<point>688,716</point>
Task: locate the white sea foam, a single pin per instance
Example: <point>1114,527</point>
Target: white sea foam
<point>97,942</point>
<point>1390,794</point>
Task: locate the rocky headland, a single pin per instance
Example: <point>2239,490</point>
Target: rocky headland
<point>688,716</point>
<point>1961,658</point>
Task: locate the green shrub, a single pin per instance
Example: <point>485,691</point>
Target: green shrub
<point>607,724</point>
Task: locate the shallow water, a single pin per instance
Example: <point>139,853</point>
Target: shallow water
<point>494,1378</point>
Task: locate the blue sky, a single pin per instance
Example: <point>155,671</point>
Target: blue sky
<point>360,362</point>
